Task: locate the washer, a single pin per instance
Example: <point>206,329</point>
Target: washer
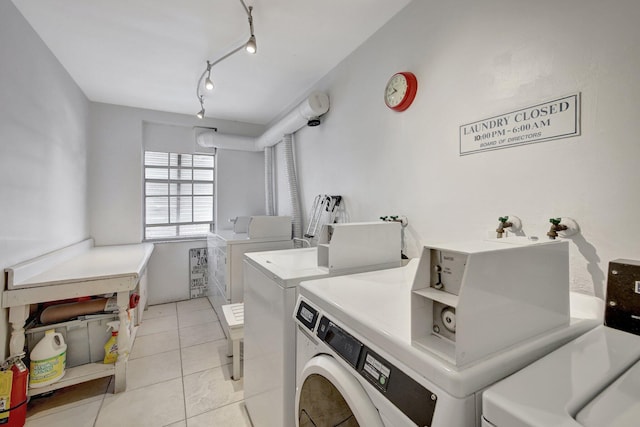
<point>354,332</point>
<point>271,280</point>
<point>593,381</point>
<point>345,379</point>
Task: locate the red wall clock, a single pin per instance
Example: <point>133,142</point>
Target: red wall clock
<point>401,90</point>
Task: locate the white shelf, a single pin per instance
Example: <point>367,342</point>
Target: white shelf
<point>86,372</point>
<point>77,375</point>
<point>441,296</point>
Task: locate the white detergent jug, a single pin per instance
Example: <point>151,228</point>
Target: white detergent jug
<point>48,360</point>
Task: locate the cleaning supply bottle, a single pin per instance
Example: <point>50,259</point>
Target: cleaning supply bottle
<point>111,347</point>
<point>48,360</point>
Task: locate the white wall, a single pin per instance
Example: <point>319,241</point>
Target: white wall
<point>239,186</point>
<point>474,60</point>
<point>43,149</point>
<point>115,185</point>
<point>169,271</point>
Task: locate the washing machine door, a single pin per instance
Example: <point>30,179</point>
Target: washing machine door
<point>328,394</point>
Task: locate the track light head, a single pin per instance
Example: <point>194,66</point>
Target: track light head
<point>251,45</point>
<point>200,114</point>
<point>208,83</point>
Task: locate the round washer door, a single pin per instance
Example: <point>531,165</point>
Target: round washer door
<point>329,395</point>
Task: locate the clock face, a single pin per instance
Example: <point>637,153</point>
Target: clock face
<point>396,90</point>
<point>400,91</point>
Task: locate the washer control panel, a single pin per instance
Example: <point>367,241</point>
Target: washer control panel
<point>409,396</point>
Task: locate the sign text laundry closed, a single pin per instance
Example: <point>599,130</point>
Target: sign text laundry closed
<point>555,119</point>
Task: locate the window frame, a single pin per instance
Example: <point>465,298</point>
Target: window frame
<point>169,195</point>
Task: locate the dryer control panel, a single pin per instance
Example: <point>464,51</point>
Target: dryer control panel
<point>414,400</point>
<point>409,396</point>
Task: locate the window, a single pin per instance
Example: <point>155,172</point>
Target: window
<point>178,195</point>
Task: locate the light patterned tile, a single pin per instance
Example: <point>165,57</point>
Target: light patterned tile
<point>199,334</point>
<point>193,305</point>
<point>182,423</point>
<point>153,369</point>
<point>159,324</point>
<point>82,416</point>
<point>234,415</point>
<point>160,310</point>
<point>149,345</point>
<point>204,356</point>
<point>156,405</point>
<point>68,397</point>
<point>211,389</point>
<point>197,317</point>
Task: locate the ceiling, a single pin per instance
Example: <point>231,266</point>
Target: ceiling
<point>151,53</point>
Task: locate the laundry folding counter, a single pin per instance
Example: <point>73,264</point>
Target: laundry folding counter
<point>77,271</point>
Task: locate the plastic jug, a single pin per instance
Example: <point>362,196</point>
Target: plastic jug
<point>48,360</point>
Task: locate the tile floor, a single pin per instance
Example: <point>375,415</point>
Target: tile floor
<point>178,376</point>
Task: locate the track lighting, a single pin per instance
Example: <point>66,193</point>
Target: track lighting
<point>250,46</point>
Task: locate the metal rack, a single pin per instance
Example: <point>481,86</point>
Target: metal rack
<point>323,211</point>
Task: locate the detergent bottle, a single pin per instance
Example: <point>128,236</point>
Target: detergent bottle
<point>48,360</point>
<point>111,347</point>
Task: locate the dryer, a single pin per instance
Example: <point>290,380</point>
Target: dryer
<point>593,381</point>
<point>355,332</point>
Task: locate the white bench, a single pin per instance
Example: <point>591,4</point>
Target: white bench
<point>234,315</point>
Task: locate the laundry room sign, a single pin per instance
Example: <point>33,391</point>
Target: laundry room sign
<point>198,272</point>
<point>551,120</point>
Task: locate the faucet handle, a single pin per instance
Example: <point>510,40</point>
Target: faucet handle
<point>503,219</point>
<point>555,221</point>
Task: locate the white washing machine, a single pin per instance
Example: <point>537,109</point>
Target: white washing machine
<point>271,280</point>
<point>356,360</point>
<point>593,381</point>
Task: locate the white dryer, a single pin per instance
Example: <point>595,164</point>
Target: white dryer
<point>355,351</point>
<point>593,381</point>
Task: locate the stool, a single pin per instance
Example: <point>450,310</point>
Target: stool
<point>234,315</point>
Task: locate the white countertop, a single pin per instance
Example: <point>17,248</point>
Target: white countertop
<point>75,271</point>
<point>98,262</point>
